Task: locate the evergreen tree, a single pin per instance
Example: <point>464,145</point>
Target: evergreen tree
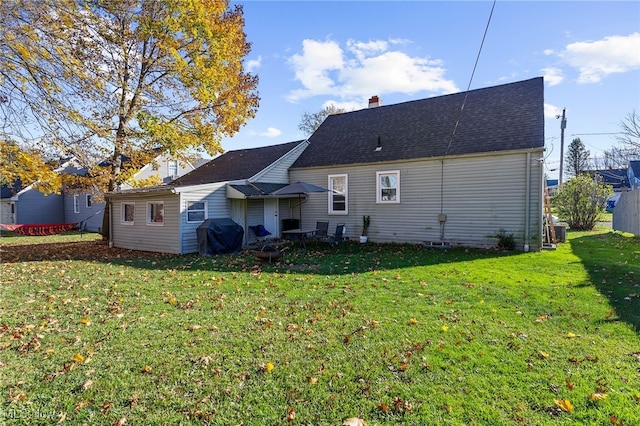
<point>577,158</point>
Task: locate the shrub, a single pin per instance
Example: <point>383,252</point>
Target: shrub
<point>580,201</point>
<point>505,241</point>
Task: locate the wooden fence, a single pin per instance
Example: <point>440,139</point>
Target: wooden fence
<point>626,214</point>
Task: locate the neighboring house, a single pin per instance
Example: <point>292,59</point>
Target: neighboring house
<point>552,186</point>
<point>633,174</point>
<point>616,178</point>
<point>432,171</point>
<point>27,205</point>
<point>233,185</point>
<point>88,207</point>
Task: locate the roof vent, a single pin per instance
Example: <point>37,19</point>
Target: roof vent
<point>379,147</point>
<point>374,102</point>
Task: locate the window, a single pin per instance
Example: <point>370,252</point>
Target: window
<point>155,213</point>
<point>196,211</point>
<point>338,199</point>
<point>173,168</point>
<point>388,187</point>
<point>127,213</point>
<point>76,204</point>
<point>89,200</point>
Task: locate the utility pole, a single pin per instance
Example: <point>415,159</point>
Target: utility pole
<point>563,125</point>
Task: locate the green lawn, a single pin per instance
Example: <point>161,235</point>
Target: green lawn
<point>392,334</point>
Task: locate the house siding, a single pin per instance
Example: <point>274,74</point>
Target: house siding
<point>33,207</point>
<point>217,207</point>
<point>5,212</point>
<point>90,216</point>
<point>140,235</point>
<point>160,167</point>
<point>279,171</point>
<point>481,195</point>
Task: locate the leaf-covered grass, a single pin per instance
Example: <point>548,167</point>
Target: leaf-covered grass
<point>387,333</point>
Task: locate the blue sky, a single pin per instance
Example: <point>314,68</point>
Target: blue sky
<point>309,54</point>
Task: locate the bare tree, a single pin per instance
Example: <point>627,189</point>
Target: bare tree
<point>311,121</point>
<point>631,132</point>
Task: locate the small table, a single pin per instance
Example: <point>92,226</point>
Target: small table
<point>298,234</point>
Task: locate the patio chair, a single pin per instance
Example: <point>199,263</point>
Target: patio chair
<point>338,236</point>
<point>259,232</point>
<point>322,230</point>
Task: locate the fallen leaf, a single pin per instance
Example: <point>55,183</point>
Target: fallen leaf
<point>597,396</point>
<point>413,321</point>
<point>78,358</point>
<point>570,385</point>
<point>146,369</point>
<point>565,405</point>
<point>291,414</point>
<point>544,355</point>
<point>383,407</point>
<point>614,420</point>
<point>445,328</point>
<point>87,385</point>
<point>354,421</point>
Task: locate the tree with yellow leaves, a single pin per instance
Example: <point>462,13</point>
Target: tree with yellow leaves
<point>112,78</point>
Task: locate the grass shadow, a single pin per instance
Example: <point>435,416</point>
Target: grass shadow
<point>321,258</point>
<point>612,261</point>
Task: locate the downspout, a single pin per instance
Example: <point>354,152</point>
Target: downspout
<point>527,224</point>
<point>110,223</point>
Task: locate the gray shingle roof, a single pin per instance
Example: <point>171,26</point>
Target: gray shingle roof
<point>500,118</point>
<point>235,165</point>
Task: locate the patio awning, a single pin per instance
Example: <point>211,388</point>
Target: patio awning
<point>252,190</point>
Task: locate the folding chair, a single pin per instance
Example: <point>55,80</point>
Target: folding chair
<point>322,229</point>
<point>259,232</point>
<point>338,236</point>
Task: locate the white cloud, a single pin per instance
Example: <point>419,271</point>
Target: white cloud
<point>254,64</point>
<point>552,111</point>
<point>346,105</point>
<point>364,69</point>
<point>271,132</point>
<point>552,76</point>
<point>596,60</point>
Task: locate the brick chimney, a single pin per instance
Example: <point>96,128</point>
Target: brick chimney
<point>374,102</point>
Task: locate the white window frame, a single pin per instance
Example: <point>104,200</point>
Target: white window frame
<point>379,188</point>
<point>123,216</point>
<point>76,203</point>
<point>88,201</point>
<point>204,210</point>
<point>330,180</point>
<point>173,174</point>
<point>149,213</point>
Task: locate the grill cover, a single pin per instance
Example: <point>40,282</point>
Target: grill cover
<point>219,236</point>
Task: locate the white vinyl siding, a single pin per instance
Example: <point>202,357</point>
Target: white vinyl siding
<point>140,236</point>
<point>215,196</point>
<point>481,194</point>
